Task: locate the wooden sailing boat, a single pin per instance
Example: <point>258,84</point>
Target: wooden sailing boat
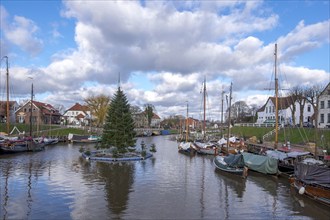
<point>185,146</point>
<point>16,145</point>
<point>231,145</point>
<point>204,146</point>
<point>262,163</point>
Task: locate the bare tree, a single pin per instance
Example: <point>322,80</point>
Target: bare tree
<point>135,109</point>
<point>311,94</point>
<point>60,108</point>
<point>239,110</point>
<point>99,106</point>
<point>295,93</point>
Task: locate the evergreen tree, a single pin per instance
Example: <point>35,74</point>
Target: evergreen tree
<point>118,130</point>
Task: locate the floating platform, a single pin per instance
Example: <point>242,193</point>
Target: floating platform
<point>114,159</point>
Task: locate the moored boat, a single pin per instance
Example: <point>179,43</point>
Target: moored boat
<point>260,163</point>
<point>286,160</point>
<point>23,145</point>
<point>231,164</point>
<point>312,178</point>
<point>76,138</point>
<point>185,148</point>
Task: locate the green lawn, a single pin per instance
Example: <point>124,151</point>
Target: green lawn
<point>43,130</point>
<point>294,135</point>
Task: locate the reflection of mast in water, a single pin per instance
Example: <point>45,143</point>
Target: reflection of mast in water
<point>6,196</point>
<point>202,190</point>
<point>29,187</point>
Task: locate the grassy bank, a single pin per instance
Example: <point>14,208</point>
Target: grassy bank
<point>295,135</point>
<point>43,130</point>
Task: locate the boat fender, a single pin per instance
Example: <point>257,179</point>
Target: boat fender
<point>245,172</point>
<point>302,190</point>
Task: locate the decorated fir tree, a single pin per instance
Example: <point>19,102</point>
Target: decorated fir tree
<point>118,130</point>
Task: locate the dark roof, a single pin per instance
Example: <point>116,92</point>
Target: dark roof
<point>283,102</point>
<point>327,88</point>
<point>46,109</point>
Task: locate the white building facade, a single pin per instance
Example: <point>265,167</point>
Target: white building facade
<point>324,108</point>
<point>78,115</point>
<point>266,114</point>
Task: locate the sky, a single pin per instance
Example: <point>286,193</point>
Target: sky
<point>162,51</point>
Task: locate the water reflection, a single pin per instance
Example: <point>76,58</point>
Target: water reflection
<point>19,180</point>
<point>235,182</point>
<point>58,184</point>
<point>118,179</point>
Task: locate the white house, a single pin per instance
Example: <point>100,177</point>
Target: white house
<point>266,114</point>
<point>324,108</point>
<point>77,115</point>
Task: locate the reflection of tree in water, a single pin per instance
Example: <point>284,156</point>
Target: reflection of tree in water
<point>119,180</point>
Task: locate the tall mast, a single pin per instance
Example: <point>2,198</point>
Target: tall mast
<point>204,93</point>
<point>7,103</point>
<point>230,91</point>
<point>222,93</point>
<point>276,100</point>
<point>187,126</point>
<point>31,109</point>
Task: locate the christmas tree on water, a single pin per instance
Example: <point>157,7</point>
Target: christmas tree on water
<point>118,130</point>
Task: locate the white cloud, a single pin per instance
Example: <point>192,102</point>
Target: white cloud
<point>22,33</point>
<point>175,44</point>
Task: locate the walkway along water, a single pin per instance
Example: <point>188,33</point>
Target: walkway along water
<point>58,183</point>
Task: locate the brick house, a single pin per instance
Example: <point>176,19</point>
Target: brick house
<point>42,113</point>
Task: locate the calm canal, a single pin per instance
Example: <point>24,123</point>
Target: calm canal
<point>58,184</point>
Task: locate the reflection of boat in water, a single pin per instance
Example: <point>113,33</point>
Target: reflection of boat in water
<point>268,184</point>
<point>234,182</point>
<point>312,178</point>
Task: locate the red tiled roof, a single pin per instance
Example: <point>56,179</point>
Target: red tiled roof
<point>80,116</point>
<point>78,107</point>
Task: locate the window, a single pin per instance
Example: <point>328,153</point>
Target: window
<point>322,105</point>
<point>328,103</point>
<point>322,118</point>
<point>328,118</point>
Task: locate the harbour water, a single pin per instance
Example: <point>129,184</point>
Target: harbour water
<point>59,184</point>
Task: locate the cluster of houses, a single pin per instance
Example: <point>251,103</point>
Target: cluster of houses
<point>43,114</point>
<point>289,112</point>
<point>80,115</point>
